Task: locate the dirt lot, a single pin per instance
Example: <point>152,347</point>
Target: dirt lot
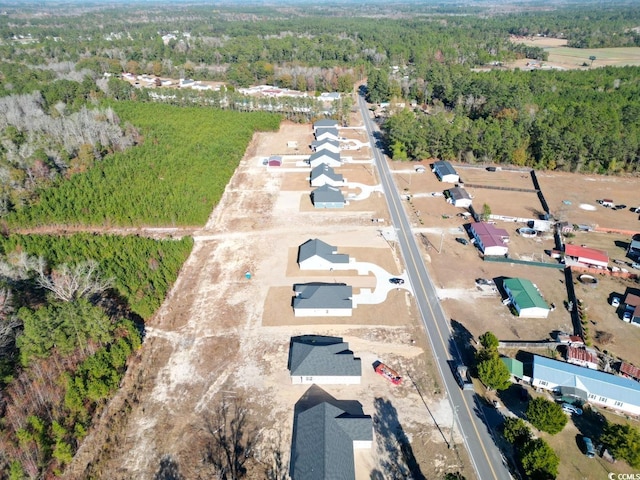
<point>221,335</point>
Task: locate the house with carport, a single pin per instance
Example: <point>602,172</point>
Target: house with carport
<point>491,241</point>
<point>579,256</point>
<point>318,299</point>
<point>325,156</point>
<point>525,298</point>
<point>327,196</point>
<point>323,174</point>
<point>314,254</point>
<point>445,172</point>
<point>458,197</point>
<point>598,388</point>
<point>323,360</point>
<point>326,433</point>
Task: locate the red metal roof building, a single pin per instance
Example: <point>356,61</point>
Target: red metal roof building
<point>631,371</point>
<point>490,239</point>
<point>582,357</point>
<point>585,256</point>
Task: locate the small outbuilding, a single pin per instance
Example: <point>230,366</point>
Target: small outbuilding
<point>525,298</point>
<point>583,357</point>
<point>585,257</point>
<point>275,161</point>
<point>458,197</point>
<point>445,172</point>
<point>515,367</point>
<point>323,360</point>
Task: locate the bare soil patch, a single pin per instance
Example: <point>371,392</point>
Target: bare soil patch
<point>221,334</point>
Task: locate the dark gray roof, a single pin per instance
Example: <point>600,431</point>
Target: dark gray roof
<point>322,295</point>
<point>320,144</point>
<point>324,153</point>
<point>322,130</point>
<point>325,122</point>
<point>458,193</point>
<point>443,168</point>
<point>324,430</point>
<point>327,194</point>
<point>314,247</point>
<point>313,355</point>
<point>324,169</point>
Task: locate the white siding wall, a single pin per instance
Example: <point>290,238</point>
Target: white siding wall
<point>315,263</point>
<point>450,178</point>
<point>496,250</point>
<point>322,312</point>
<point>533,312</point>
<point>324,380</point>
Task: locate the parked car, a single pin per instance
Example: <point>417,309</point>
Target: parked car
<point>463,241</point>
<point>615,302</point>
<point>396,281</point>
<point>635,265</point>
<point>463,377</point>
<point>589,451</point>
<point>626,316</point>
<point>571,409</point>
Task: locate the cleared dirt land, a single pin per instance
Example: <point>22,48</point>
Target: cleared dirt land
<point>222,335</point>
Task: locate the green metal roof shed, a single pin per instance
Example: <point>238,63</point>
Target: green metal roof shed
<point>515,366</point>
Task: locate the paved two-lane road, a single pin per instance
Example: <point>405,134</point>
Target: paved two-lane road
<point>485,456</point>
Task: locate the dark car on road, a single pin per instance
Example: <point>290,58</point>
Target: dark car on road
<point>463,241</point>
<point>396,281</point>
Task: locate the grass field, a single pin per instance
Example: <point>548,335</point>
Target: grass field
<point>604,56</point>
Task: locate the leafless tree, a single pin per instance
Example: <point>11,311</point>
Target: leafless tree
<point>72,282</point>
<point>273,459</point>
<point>229,440</point>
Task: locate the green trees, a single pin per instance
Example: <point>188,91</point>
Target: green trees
<point>539,461</point>
<point>515,431</point>
<point>546,415</point>
<point>623,441</point>
<point>491,369</point>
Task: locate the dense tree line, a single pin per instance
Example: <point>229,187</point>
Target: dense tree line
<point>174,177</point>
<point>574,121</point>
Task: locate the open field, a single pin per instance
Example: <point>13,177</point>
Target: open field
<point>572,58</point>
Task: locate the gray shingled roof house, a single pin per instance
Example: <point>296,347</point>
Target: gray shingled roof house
<point>323,361</point>
<point>315,254</point>
<point>325,123</point>
<point>327,196</point>
<point>331,145</point>
<point>323,174</point>
<point>319,299</point>
<point>445,172</point>
<point>329,133</point>
<point>325,156</point>
<point>325,433</point>
<point>458,197</point>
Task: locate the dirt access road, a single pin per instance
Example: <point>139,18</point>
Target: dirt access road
<point>220,335</point>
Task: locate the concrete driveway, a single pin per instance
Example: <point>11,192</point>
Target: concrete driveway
<point>383,286</point>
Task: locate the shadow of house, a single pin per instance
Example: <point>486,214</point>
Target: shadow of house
<point>325,433</point>
<point>399,460</point>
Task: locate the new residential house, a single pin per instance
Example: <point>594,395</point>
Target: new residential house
<point>326,431</point>
<point>317,255</point>
<point>323,174</point>
<point>585,257</point>
<point>445,172</point>
<point>490,239</point>
<point>327,196</point>
<point>325,156</point>
<point>325,123</point>
<point>331,145</point>
<point>327,134</point>
<point>323,361</point>
<point>319,299</point>
<point>525,298</point>
<point>599,388</point>
<point>632,305</point>
<point>458,197</point>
